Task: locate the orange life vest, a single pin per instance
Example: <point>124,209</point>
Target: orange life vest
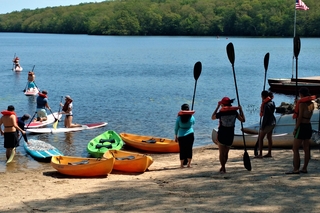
<point>302,100</point>
<point>266,100</point>
<point>229,108</point>
<point>186,112</point>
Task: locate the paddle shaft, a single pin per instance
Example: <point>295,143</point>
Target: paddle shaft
<point>296,49</point>
<point>14,56</point>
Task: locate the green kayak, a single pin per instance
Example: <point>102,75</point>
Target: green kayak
<point>104,142</point>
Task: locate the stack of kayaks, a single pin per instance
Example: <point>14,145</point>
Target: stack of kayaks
<point>82,167</point>
<point>109,140</point>
<point>129,161</point>
<point>149,143</point>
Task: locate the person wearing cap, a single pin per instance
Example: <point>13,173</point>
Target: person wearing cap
<point>9,121</point>
<point>42,104</point>
<point>227,116</point>
<point>184,134</point>
<point>67,110</point>
<point>303,130</point>
<point>268,123</point>
<point>21,124</point>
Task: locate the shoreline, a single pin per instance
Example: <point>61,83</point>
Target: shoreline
<point>167,188</point>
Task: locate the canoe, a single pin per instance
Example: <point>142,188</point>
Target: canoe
<point>31,92</point>
<point>150,143</point>
<point>129,161</point>
<point>282,133</point>
<point>40,150</point>
<point>50,119</point>
<point>82,167</point>
<point>59,130</point>
<point>104,142</point>
<point>290,87</point>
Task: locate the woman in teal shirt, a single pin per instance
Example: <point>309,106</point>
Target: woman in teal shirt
<point>184,133</point>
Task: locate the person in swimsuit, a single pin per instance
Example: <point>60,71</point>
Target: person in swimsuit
<point>302,131</point>
<point>9,121</point>
<point>227,116</point>
<point>268,123</point>
<point>67,110</point>
<point>184,134</point>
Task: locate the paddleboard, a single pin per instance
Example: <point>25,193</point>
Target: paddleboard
<point>31,92</point>
<point>13,153</point>
<point>58,130</point>
<point>18,69</point>
<point>50,119</point>
<point>40,149</point>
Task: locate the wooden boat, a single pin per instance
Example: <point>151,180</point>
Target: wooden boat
<point>82,167</point>
<point>104,142</point>
<point>282,133</point>
<point>40,150</point>
<point>129,161</point>
<point>150,143</point>
<point>290,87</point>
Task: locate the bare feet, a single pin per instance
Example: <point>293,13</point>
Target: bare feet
<point>189,166</point>
<point>258,156</point>
<point>222,170</point>
<point>181,166</point>
<point>267,156</point>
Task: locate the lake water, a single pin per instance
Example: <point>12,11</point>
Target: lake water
<point>137,84</point>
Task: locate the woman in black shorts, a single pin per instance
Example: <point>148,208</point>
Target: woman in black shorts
<point>227,115</point>
<point>303,130</point>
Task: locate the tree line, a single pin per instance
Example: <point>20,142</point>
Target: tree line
<point>170,17</point>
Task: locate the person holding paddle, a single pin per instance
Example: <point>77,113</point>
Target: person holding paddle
<point>184,133</point>
<point>268,123</point>
<point>227,115</point>
<point>42,104</point>
<point>67,110</point>
<point>303,130</point>
<point>9,121</point>
<point>16,62</point>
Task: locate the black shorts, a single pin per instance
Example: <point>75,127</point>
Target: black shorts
<point>11,140</point>
<point>225,136</point>
<point>304,132</point>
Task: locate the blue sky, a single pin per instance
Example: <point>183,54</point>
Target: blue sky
<point>7,6</point>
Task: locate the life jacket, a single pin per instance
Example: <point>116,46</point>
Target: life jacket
<point>8,113</point>
<point>229,108</point>
<point>186,112</point>
<point>266,100</point>
<point>42,95</point>
<point>66,105</point>
<point>302,100</point>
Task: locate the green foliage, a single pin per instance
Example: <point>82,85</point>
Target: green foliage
<point>170,17</point>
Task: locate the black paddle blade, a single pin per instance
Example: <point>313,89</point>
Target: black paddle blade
<point>230,52</point>
<point>197,70</point>
<point>246,161</point>
<point>266,61</point>
<point>296,46</point>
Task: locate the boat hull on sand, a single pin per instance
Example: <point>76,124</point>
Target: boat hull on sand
<point>129,161</point>
<point>82,167</point>
<point>150,143</point>
<point>282,133</point>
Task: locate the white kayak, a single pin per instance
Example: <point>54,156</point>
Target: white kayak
<point>31,92</point>
<point>18,69</point>
<point>50,119</point>
<point>58,130</point>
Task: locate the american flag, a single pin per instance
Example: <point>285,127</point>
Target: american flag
<point>300,5</point>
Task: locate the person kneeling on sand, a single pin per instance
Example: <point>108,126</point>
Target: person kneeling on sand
<point>67,110</point>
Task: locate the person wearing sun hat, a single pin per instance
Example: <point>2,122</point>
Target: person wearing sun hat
<point>67,110</point>
<point>227,116</point>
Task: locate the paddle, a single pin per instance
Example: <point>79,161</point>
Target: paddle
<point>231,56</point>
<point>55,124</point>
<point>13,61</point>
<point>28,81</point>
<point>196,74</point>
<point>55,119</point>
<point>296,50</point>
<point>266,64</point>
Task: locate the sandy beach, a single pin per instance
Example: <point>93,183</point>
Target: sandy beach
<point>167,188</point>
